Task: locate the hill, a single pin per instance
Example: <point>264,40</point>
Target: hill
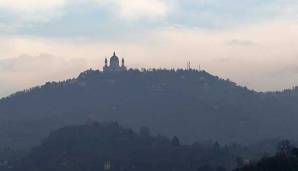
<point>193,105</point>
<point>96,146</point>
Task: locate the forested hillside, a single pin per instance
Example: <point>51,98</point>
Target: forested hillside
<point>193,105</point>
<point>96,146</point>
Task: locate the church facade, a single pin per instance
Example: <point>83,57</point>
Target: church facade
<point>114,64</point>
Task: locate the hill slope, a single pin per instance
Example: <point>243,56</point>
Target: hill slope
<point>191,104</point>
<point>89,147</point>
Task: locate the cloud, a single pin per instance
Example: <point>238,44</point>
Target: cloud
<point>32,16</point>
<point>31,5</point>
<point>17,14</point>
<point>99,17</point>
<point>223,14</point>
<point>248,45</point>
<point>137,9</point>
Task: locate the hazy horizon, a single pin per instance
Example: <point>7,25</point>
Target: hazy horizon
<point>253,43</point>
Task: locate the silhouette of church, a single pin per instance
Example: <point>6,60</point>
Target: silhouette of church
<point>114,64</point>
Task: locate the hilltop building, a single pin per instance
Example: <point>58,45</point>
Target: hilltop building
<point>114,65</point>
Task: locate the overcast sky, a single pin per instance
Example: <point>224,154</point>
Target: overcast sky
<point>252,42</point>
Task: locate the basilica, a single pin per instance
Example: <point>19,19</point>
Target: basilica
<point>114,65</point>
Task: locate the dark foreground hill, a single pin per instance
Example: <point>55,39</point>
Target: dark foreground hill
<point>193,105</point>
<point>95,146</point>
<point>285,159</point>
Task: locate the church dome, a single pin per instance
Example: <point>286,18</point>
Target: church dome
<point>114,58</point>
<point>114,61</point>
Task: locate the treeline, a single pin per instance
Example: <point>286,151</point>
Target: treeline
<point>286,159</point>
<point>95,146</point>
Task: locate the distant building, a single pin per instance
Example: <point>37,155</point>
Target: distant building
<point>114,65</point>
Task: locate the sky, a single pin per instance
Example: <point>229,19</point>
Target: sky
<point>251,42</point>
